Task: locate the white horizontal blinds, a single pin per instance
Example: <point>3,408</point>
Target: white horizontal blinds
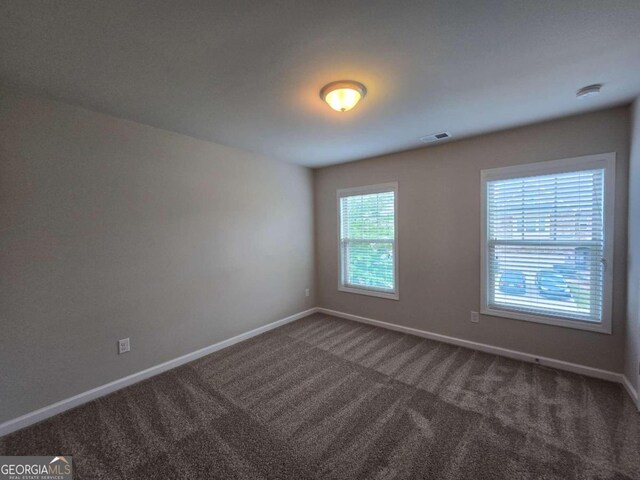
<point>546,244</point>
<point>367,238</point>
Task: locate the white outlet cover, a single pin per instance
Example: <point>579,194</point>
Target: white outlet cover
<point>124,346</point>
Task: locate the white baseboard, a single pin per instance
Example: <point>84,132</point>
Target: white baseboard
<point>84,397</point>
<point>631,391</point>
<point>483,347</point>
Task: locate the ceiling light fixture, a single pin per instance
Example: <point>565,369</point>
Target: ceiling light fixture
<point>589,91</point>
<point>342,96</point>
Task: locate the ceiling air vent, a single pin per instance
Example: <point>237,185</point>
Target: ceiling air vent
<point>435,137</point>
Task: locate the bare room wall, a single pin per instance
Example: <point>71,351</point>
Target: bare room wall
<point>439,235</point>
<point>632,351</point>
<point>113,229</point>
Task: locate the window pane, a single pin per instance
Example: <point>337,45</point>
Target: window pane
<point>559,207</point>
<point>549,280</point>
<point>368,216</point>
<point>367,235</point>
<point>546,244</point>
<point>370,265</point>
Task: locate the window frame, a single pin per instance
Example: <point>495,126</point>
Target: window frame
<point>366,190</point>
<point>606,161</point>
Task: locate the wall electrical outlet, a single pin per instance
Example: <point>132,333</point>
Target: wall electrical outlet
<point>123,346</point>
<point>475,317</point>
<point>306,292</point>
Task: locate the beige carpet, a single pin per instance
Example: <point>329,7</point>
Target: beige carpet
<point>325,398</point>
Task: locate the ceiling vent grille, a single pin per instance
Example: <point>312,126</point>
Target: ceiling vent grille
<point>435,137</point>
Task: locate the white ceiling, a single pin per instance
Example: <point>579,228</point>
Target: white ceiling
<point>247,73</point>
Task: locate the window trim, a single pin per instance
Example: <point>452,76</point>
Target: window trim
<point>607,161</point>
<point>364,190</point>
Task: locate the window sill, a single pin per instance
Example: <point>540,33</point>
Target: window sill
<point>557,321</point>
<point>371,293</point>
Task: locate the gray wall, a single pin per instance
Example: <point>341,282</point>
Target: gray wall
<point>439,235</point>
<point>632,356</point>
<point>113,229</point>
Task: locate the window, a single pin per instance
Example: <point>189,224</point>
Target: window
<point>547,242</point>
<point>368,244</point>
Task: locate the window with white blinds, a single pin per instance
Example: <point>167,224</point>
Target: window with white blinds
<point>368,246</point>
<point>547,242</point>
